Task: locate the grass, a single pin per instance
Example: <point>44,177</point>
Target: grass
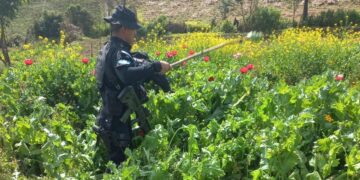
<point>33,11</point>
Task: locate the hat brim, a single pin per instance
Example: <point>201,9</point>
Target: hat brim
<point>111,20</point>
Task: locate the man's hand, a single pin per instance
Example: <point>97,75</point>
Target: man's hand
<point>165,67</point>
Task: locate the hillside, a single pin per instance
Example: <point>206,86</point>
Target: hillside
<point>179,10</point>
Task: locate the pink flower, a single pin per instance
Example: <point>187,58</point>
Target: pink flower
<point>244,70</point>
<point>339,77</point>
<point>171,54</point>
<point>206,58</point>
<point>250,66</point>
<point>28,62</point>
<point>191,52</point>
<point>85,60</point>
<point>158,53</point>
<point>174,52</point>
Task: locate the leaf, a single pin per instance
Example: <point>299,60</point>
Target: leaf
<point>283,89</point>
<point>313,176</point>
<point>256,174</point>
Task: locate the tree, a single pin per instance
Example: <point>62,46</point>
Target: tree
<point>247,8</point>
<point>80,17</point>
<point>225,8</point>
<point>294,5</point>
<point>49,25</point>
<point>8,11</point>
<point>306,10</point>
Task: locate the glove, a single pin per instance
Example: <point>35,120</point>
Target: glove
<point>159,79</point>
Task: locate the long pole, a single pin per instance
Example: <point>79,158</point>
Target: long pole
<point>178,63</point>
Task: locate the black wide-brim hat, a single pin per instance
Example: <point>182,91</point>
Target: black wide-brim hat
<point>123,16</point>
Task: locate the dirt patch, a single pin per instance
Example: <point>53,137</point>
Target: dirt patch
<point>206,10</point>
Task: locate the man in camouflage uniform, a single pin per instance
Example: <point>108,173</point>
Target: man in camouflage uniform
<point>116,69</point>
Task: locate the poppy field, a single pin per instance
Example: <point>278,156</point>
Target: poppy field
<point>284,107</point>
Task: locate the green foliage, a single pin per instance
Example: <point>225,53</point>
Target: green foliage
<point>197,26</point>
<point>155,28</point>
<point>48,109</point>
<point>225,8</point>
<point>294,60</point>
<point>81,18</point>
<point>227,27</point>
<point>100,30</point>
<point>265,20</point>
<point>8,10</point>
<point>333,18</point>
<point>236,126</point>
<point>48,26</point>
<point>2,66</point>
<point>7,167</point>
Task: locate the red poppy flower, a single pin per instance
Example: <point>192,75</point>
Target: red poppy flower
<point>184,63</point>
<point>158,53</point>
<point>244,70</point>
<point>206,58</point>
<point>28,62</point>
<point>191,52</point>
<point>339,77</point>
<point>250,66</point>
<point>85,60</point>
<point>169,55</point>
<point>211,78</point>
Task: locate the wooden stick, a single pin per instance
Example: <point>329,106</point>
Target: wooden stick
<point>178,63</point>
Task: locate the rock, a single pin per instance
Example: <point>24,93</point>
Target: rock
<point>332,2</point>
<point>211,2</point>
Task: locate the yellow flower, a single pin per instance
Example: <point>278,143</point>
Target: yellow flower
<point>41,38</point>
<point>27,46</point>
<point>328,118</point>
<point>135,46</point>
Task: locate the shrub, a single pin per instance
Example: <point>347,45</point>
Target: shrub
<point>154,28</point>
<point>331,18</point>
<point>176,27</point>
<point>80,17</point>
<point>197,26</point>
<point>265,20</point>
<point>48,26</point>
<point>227,27</point>
<point>6,165</point>
<point>100,30</point>
<point>51,105</point>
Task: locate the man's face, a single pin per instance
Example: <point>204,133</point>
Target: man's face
<point>129,35</point>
